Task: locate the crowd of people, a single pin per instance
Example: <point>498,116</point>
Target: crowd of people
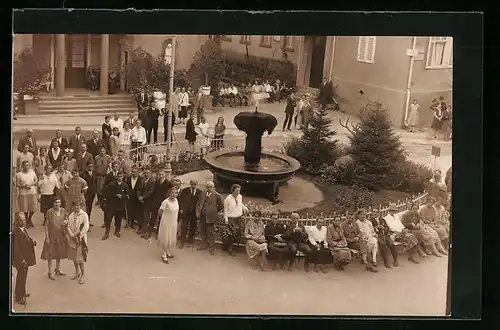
<point>247,94</point>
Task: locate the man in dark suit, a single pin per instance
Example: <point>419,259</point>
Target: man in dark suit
<point>83,158</point>
<point>188,198</point>
<point>207,210</point>
<point>116,195</point>
<point>76,140</point>
<point>142,99</point>
<point>162,186</point>
<point>325,93</point>
<point>135,210</point>
<point>146,199</point>
<point>63,142</point>
<point>110,177</point>
<point>29,140</point>
<point>152,125</point>
<point>90,177</point>
<point>23,256</point>
<point>94,144</point>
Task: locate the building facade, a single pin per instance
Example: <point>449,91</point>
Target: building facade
<point>392,70</point>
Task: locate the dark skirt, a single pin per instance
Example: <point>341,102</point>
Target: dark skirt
<point>437,124</point>
<point>56,249</point>
<point>183,112</point>
<point>279,251</point>
<point>321,256</point>
<point>46,202</point>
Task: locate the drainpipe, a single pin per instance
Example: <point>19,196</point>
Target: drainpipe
<point>408,85</point>
<point>333,55</point>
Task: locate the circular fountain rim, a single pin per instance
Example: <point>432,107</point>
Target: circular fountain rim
<point>212,156</point>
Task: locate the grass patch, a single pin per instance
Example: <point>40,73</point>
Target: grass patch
<point>339,198</point>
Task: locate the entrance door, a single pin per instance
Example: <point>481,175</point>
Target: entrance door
<point>317,61</point>
<point>76,53</point>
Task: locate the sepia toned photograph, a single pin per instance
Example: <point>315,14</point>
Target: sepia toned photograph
<point>231,174</point>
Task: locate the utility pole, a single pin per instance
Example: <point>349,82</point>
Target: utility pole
<point>168,166</point>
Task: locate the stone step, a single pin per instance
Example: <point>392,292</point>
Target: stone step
<point>85,97</point>
<point>74,111</point>
<point>69,106</point>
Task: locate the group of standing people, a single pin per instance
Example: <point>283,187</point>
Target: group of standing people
<point>441,118</point>
<point>298,112</point>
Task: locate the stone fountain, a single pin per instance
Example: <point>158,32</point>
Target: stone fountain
<point>259,173</point>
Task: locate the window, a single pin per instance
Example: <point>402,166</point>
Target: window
<point>366,49</point>
<point>277,38</point>
<point>265,41</point>
<point>225,37</point>
<point>78,52</point>
<point>439,53</point>
<point>245,39</point>
<point>288,43</point>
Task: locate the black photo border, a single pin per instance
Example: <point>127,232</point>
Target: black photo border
<point>465,28</point>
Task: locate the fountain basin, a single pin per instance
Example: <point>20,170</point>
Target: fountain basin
<point>275,169</point>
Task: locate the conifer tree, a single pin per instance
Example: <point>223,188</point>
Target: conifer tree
<point>376,150</point>
<point>316,147</point>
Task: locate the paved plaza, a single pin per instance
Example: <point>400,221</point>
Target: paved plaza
<point>126,275</point>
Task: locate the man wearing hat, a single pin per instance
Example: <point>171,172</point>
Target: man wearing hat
<point>29,140</point>
<point>398,233</point>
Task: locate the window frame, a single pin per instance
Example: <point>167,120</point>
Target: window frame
<point>363,44</point>
<point>245,39</point>
<point>288,46</point>
<point>263,42</point>
<point>447,52</point>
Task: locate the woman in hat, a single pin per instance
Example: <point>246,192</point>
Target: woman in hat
<point>426,236</point>
<point>77,228</point>
<point>26,182</point>
<point>256,245</point>
<point>338,244</point>
<point>55,245</point>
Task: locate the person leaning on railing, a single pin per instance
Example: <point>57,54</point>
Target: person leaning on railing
<point>138,137</point>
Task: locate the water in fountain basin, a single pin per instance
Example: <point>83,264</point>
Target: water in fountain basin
<point>267,164</point>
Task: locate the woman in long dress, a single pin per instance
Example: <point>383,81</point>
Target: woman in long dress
<point>257,93</point>
<point>430,217</point>
<point>125,138</point>
<point>41,161</point>
<point>77,228</point>
<point>26,182</point>
<point>55,245</point>
<point>167,231</point>
<point>320,255</point>
<point>256,245</point>
<point>204,137</point>
<point>219,131</point>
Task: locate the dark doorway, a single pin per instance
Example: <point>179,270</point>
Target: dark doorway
<point>317,61</point>
<point>76,59</point>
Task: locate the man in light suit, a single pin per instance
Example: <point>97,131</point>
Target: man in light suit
<point>76,140</point>
<point>208,207</point>
<point>83,158</point>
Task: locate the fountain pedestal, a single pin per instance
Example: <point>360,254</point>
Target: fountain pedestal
<point>259,173</point>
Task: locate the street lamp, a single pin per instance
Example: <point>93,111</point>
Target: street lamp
<point>168,166</point>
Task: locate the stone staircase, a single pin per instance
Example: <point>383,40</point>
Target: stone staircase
<point>85,105</point>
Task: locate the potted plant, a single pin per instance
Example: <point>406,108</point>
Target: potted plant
<point>30,76</point>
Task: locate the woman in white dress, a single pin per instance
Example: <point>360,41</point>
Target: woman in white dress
<point>257,93</point>
<point>26,182</point>
<point>125,138</point>
<point>203,137</point>
<point>167,231</point>
<point>77,249</point>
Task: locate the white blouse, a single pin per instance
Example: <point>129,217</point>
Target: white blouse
<point>317,235</point>
<point>233,207</point>
<point>47,184</point>
<point>126,137</point>
<point>394,223</point>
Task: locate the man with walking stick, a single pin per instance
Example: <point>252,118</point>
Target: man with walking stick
<point>116,194</point>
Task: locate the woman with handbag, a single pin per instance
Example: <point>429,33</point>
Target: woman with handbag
<point>256,245</point>
<point>55,245</point>
<point>338,244</point>
<point>77,228</point>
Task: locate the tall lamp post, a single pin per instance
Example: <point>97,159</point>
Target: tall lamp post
<point>168,166</point>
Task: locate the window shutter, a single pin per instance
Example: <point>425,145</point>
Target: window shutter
<point>362,49</point>
<point>430,51</point>
<point>449,52</point>
<point>370,49</point>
